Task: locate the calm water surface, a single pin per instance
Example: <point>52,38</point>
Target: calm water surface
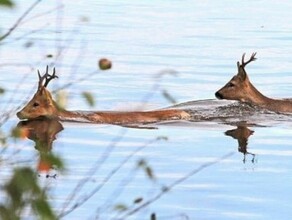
<point>199,41</point>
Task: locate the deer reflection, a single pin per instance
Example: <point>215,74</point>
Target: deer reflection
<point>43,132</point>
<point>242,133</point>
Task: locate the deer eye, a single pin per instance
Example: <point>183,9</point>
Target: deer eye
<point>35,104</point>
<point>230,85</point>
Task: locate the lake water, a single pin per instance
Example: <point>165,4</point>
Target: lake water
<point>196,44</point>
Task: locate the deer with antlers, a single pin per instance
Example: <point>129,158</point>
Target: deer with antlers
<point>241,89</point>
<point>43,105</point>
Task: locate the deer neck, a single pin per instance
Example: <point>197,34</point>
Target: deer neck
<point>71,115</point>
<point>64,114</point>
<point>276,105</point>
<point>257,98</point>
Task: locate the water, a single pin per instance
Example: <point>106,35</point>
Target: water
<point>202,42</point>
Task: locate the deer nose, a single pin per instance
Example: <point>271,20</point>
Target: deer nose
<point>218,95</point>
<point>19,115</point>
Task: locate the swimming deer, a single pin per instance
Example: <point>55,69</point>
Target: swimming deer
<point>43,105</point>
<point>241,89</point>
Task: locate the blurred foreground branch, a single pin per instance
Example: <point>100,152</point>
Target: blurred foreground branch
<point>166,189</point>
<point>19,20</point>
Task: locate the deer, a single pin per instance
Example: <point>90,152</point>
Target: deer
<point>43,105</point>
<point>241,89</point>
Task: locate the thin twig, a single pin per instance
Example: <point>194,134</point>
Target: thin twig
<point>108,177</point>
<point>19,20</point>
<point>81,79</point>
<point>175,183</point>
<point>25,35</point>
<point>104,208</point>
<point>91,172</point>
<point>50,11</point>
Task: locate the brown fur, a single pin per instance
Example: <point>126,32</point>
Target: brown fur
<point>241,89</point>
<point>42,105</point>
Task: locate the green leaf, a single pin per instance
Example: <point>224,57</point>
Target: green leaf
<point>150,173</point>
<point>25,179</point>
<point>89,98</point>
<point>22,182</point>
<point>7,3</point>
<point>2,90</point>
<point>138,200</point>
<point>141,163</point>
<point>5,213</point>
<point>146,168</point>
<point>42,207</point>
<point>54,160</point>
<point>165,189</point>
<point>121,207</point>
<point>22,191</point>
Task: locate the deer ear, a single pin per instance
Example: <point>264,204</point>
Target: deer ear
<point>44,94</point>
<point>238,65</point>
<point>41,90</point>
<point>241,72</point>
<point>48,96</point>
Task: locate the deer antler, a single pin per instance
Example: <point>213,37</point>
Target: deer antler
<point>47,77</point>
<point>252,58</point>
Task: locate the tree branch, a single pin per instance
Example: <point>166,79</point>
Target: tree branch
<point>19,20</point>
<point>165,190</point>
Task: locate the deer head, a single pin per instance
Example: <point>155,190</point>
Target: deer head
<point>239,87</point>
<point>42,104</point>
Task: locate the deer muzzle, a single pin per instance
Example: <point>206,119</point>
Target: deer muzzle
<point>20,115</point>
<point>219,95</point>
